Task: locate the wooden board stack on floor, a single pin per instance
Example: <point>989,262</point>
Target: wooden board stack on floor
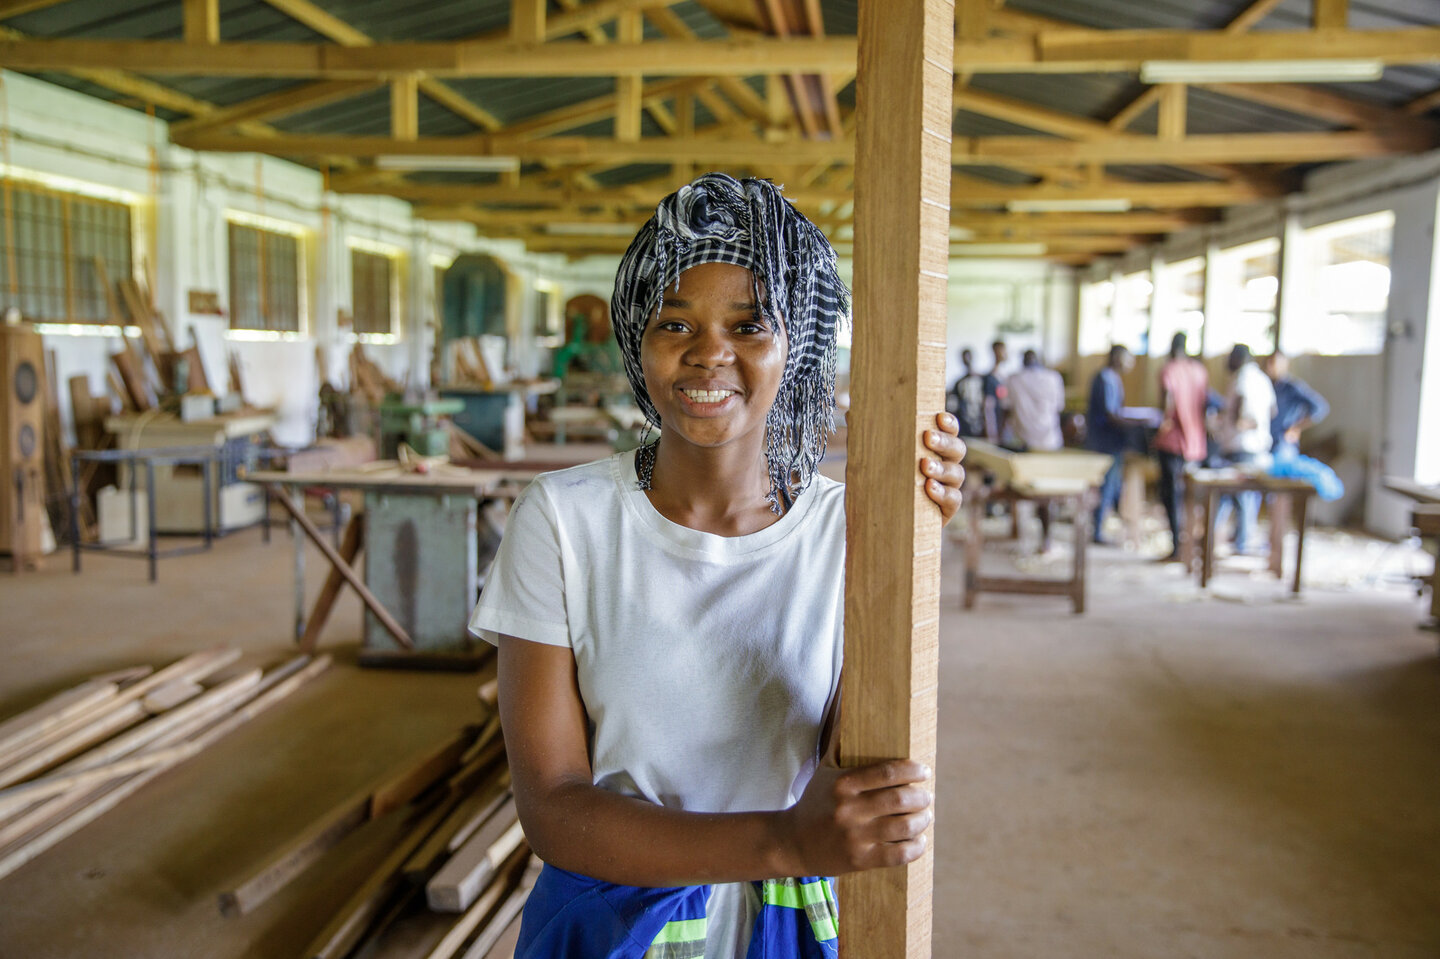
<point>459,866</point>
<point>81,753</point>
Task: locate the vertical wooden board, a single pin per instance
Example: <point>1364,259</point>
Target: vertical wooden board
<point>902,202</point>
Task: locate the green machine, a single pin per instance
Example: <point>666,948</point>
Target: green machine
<point>419,425</point>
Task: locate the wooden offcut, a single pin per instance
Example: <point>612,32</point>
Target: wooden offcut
<point>892,565</point>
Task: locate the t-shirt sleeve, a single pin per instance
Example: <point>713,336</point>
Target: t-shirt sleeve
<point>524,594</point>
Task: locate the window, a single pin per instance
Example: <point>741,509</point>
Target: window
<point>1247,288</point>
<point>1179,305</point>
<point>1345,289</point>
<point>50,250</point>
<point>1131,324</point>
<point>372,292</point>
<point>1097,300</point>
<point>264,280</point>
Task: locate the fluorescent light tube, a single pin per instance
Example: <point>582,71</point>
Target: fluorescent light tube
<point>592,229</point>
<point>997,249</point>
<point>1260,71</point>
<point>468,164</point>
<point>1096,205</point>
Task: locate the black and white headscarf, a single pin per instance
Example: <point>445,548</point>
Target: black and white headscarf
<point>718,219</point>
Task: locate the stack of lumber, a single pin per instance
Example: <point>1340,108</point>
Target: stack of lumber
<point>467,366</point>
<point>459,868</point>
<point>367,380</point>
<point>82,752</point>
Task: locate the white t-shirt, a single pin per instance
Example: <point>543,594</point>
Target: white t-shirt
<point>1255,394</point>
<point>1036,395</point>
<point>706,663</point>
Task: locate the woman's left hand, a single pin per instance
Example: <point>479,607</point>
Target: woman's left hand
<point>943,473</point>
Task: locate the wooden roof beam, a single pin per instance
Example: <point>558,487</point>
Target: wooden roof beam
<point>1314,102</point>
<point>201,21</point>
<point>1069,51</point>
<point>1214,148</point>
<point>14,8</point>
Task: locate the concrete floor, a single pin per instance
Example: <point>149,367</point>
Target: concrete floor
<point>1173,774</point>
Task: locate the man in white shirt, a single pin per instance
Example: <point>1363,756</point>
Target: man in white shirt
<point>1244,435</point>
<point>1034,400</point>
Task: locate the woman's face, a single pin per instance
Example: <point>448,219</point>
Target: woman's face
<point>712,366</point>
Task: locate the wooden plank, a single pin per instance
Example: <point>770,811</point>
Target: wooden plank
<point>102,727</point>
<point>25,794</point>
<point>350,546</point>
<point>341,934</point>
<point>137,391</point>
<point>461,880</point>
<point>276,686</point>
<point>508,913</point>
<point>902,193</point>
<point>195,666</point>
<point>466,925</point>
<point>55,710</point>
<point>383,795</point>
<point>472,813</point>
<point>49,812</point>
<point>367,597</point>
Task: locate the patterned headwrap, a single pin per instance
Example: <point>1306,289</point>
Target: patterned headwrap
<point>718,219</point>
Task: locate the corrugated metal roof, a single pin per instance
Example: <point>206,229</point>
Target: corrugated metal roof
<point>1097,96</point>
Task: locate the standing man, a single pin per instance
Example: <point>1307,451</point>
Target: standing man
<point>1107,430</point>
<point>995,392</point>
<point>1245,436</point>
<point>1180,441</point>
<point>1035,398</point>
<point>1297,407</point>
<point>966,401</point>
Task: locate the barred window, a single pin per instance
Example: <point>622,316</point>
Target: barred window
<point>372,292</point>
<point>264,280</point>
<point>52,247</point>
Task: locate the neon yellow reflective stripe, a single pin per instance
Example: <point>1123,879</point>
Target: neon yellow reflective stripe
<point>793,895</point>
<point>779,893</point>
<point>681,930</point>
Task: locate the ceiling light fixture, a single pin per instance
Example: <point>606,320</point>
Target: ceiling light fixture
<point>998,249</point>
<point>1260,71</point>
<point>591,229</point>
<point>1095,205</point>
<point>465,164</point>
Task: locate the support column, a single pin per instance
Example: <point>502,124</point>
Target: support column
<point>892,565</point>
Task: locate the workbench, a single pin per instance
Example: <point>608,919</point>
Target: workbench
<point>1425,520</point>
<point>178,501</point>
<point>1060,478</point>
<point>420,538</point>
<point>1288,498</point>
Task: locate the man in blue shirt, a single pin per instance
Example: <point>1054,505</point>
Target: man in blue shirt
<point>1297,407</point>
<point>1107,430</point>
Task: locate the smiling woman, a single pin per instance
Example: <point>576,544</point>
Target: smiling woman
<point>670,621</point>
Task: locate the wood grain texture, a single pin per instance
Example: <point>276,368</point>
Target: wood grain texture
<point>892,575</point>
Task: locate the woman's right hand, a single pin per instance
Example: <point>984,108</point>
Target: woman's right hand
<point>860,818</point>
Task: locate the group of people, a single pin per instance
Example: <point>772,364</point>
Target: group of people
<point>1255,425</point>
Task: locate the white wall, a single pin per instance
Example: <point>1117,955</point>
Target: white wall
<point>1030,304</point>
<point>181,207</point>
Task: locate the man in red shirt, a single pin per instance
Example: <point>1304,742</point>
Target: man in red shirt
<point>1180,440</point>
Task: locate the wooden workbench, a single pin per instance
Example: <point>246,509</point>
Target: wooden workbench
<point>1425,519</point>
<point>1289,499</point>
<point>419,534</point>
<point>1063,477</point>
